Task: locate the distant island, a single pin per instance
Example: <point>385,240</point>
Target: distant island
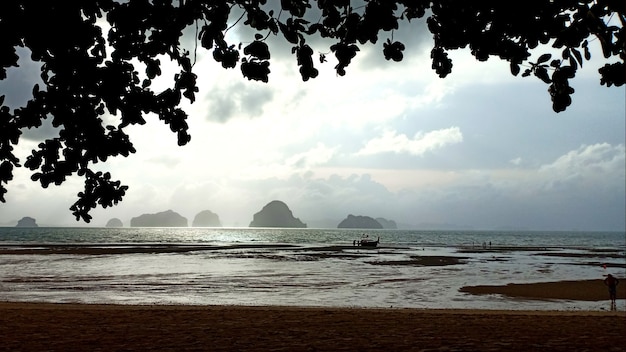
<point>206,218</point>
<point>276,214</point>
<point>359,222</point>
<point>114,222</point>
<point>387,224</point>
<point>27,222</point>
<point>167,218</point>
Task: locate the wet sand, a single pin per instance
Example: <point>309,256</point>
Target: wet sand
<point>83,327</point>
<point>107,249</point>
<point>72,327</point>
<point>577,290</point>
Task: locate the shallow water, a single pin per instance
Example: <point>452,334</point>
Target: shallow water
<point>299,267</point>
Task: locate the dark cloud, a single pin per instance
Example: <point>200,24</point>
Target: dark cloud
<point>503,122</point>
<point>18,86</point>
<point>17,89</point>
<point>488,207</point>
<point>414,35</point>
<point>480,204</point>
<point>238,99</point>
<point>45,131</point>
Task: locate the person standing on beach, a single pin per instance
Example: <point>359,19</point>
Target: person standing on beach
<point>612,283</point>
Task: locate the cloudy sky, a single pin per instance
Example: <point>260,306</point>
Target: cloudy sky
<point>480,149</point>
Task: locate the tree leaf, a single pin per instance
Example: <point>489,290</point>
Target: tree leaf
<point>578,57</point>
<point>542,74</point>
<point>544,58</point>
<point>514,69</point>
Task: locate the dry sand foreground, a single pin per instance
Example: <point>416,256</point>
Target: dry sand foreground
<point>67,327</point>
<point>81,327</point>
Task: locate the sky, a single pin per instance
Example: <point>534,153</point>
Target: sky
<point>480,149</point>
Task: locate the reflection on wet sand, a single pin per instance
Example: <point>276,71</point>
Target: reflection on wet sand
<point>435,260</point>
<point>101,249</point>
<point>414,273</point>
<point>579,290</point>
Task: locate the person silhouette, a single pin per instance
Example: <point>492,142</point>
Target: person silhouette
<point>611,282</point>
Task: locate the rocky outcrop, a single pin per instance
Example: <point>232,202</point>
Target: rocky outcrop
<point>359,222</point>
<point>115,222</point>
<point>387,224</point>
<point>276,214</point>
<point>206,218</point>
<point>167,218</point>
<point>27,222</point>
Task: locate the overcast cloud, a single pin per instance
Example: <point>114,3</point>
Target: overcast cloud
<point>480,149</point>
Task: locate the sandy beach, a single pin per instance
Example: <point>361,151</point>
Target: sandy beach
<point>86,327</point>
<point>78,272</point>
<point>70,327</point>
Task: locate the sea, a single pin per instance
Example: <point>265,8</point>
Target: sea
<point>299,267</point>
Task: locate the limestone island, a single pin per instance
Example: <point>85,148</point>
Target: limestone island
<point>276,214</point>
<point>359,222</point>
<point>206,218</point>
<point>167,218</point>
<point>114,222</point>
<point>387,224</point>
<point>27,222</point>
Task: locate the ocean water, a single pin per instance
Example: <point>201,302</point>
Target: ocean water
<point>299,267</point>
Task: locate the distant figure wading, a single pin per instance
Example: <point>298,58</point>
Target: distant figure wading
<point>611,282</point>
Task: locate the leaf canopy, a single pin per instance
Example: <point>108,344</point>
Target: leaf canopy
<point>88,72</point>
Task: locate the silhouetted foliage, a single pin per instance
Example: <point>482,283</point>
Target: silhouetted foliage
<point>88,73</point>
